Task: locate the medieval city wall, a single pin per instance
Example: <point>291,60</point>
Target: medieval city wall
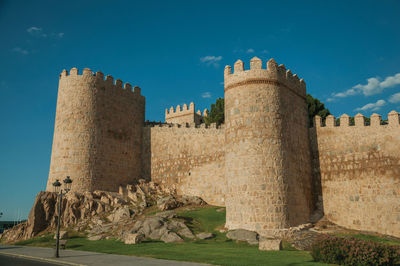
<point>189,159</point>
<point>359,169</point>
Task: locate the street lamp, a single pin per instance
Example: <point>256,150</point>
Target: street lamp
<point>57,188</point>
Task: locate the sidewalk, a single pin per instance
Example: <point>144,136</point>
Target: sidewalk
<point>75,257</point>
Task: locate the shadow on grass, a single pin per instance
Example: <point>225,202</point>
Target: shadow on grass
<point>74,246</point>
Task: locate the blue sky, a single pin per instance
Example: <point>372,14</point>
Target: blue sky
<point>346,51</point>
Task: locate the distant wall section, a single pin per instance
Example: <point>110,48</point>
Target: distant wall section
<point>189,159</point>
<point>359,168</point>
<point>184,115</point>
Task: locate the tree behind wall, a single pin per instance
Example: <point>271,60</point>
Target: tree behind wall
<point>316,107</point>
<point>216,112</point>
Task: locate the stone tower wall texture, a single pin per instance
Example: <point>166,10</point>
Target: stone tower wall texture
<point>267,157</point>
<point>98,132</point>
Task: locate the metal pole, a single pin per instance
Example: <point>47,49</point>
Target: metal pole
<point>58,227</point>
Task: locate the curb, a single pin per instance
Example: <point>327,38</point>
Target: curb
<point>41,259</point>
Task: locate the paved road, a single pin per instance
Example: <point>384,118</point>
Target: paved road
<point>17,261</point>
<point>76,257</point>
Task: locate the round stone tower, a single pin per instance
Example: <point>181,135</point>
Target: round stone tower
<point>267,154</point>
<point>97,133</point>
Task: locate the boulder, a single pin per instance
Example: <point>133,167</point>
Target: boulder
<point>133,238</point>
<point>175,225</point>
<point>244,235</point>
<point>105,200</point>
<point>120,213</point>
<point>270,244</point>
<point>171,237</point>
<point>40,216</point>
<point>95,237</point>
<point>158,233</point>
<point>63,235</point>
<point>138,224</point>
<point>185,232</point>
<point>151,224</point>
<point>167,203</point>
<point>205,235</point>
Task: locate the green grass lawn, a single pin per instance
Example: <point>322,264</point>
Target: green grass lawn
<point>219,250</point>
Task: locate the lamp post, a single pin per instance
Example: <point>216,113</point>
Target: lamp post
<point>57,189</point>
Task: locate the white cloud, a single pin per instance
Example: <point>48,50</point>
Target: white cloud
<point>211,60</point>
<point>391,81</point>
<point>206,95</point>
<point>349,92</point>
<point>34,30</point>
<point>330,99</point>
<point>373,86</point>
<point>38,32</point>
<point>395,98</point>
<point>265,52</point>
<point>250,51</point>
<point>20,50</point>
<point>372,106</point>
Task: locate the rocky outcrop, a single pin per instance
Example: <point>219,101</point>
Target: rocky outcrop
<point>244,235</point>
<point>99,212</point>
<point>164,226</point>
<point>205,235</point>
<point>40,217</point>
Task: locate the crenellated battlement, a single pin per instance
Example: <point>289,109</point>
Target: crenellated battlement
<point>183,115</point>
<point>272,74</point>
<point>359,121</point>
<point>178,111</point>
<point>101,81</point>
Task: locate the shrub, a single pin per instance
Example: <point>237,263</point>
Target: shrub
<point>351,251</point>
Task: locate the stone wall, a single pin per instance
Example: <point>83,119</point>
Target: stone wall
<point>359,168</point>
<point>190,159</point>
<point>98,132</point>
<point>267,160</point>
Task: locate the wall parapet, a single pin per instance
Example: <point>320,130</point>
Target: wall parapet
<point>183,115</point>
<point>256,74</point>
<point>359,121</point>
<point>184,125</point>
<point>101,80</point>
<point>178,111</point>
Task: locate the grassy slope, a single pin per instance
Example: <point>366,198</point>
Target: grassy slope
<point>218,250</point>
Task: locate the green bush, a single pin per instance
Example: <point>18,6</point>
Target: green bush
<point>351,251</point>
